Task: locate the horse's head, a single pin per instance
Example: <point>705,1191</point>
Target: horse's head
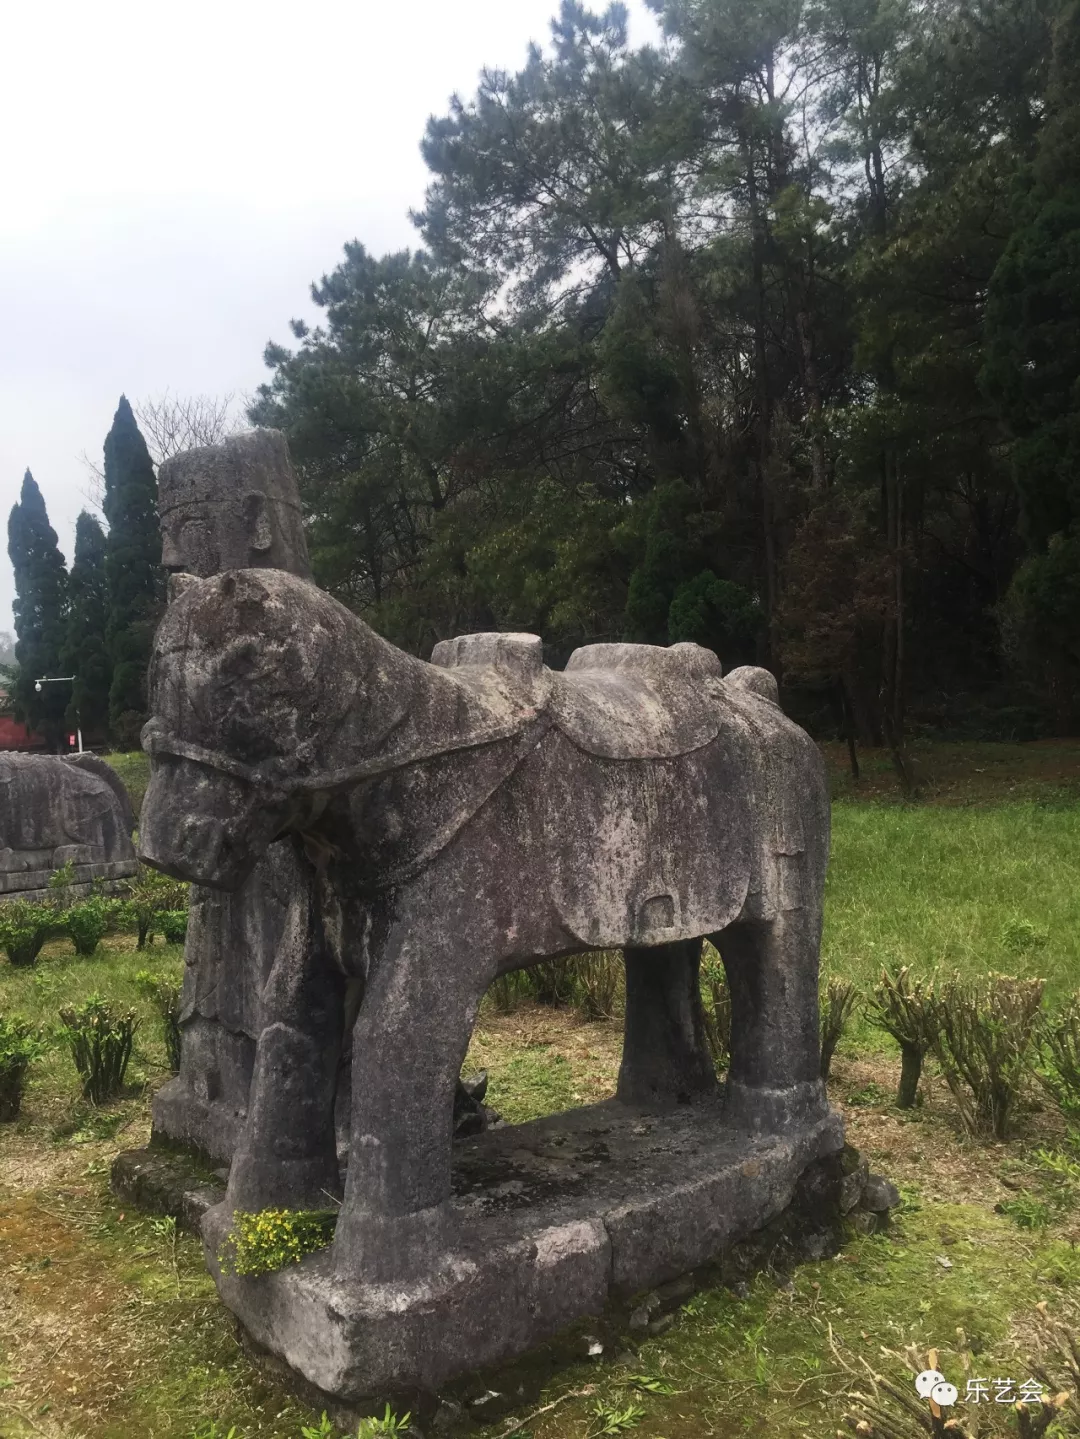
<point>252,676</point>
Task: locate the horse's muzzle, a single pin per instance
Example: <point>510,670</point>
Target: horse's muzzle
<point>199,826</point>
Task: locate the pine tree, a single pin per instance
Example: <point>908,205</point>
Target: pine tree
<point>40,589</point>
<point>85,654</point>
<point>133,575</point>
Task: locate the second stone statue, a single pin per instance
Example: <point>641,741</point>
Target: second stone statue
<point>221,507</point>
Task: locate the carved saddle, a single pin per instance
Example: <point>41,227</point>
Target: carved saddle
<point>616,701</point>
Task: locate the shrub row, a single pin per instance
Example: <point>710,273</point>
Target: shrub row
<point>986,1034</point>
<point>99,1037</point>
<point>152,903</point>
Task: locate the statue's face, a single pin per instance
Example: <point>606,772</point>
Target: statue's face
<point>190,540</point>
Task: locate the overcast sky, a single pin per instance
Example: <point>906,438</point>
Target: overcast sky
<point>174,175</point>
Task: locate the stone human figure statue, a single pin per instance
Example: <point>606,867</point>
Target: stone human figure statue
<point>232,506</point>
<point>228,506</point>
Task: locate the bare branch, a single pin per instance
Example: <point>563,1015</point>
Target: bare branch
<point>173,423</point>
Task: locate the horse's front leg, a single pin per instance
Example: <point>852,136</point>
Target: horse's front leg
<point>287,1155</point>
<point>409,1043</point>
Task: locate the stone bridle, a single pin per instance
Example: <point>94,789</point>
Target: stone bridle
<point>279,779</point>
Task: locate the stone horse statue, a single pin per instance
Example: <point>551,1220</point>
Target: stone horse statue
<point>467,817</point>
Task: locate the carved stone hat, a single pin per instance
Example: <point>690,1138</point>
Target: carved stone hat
<point>242,464</point>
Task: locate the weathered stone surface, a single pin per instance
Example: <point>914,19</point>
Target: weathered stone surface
<point>232,504</point>
<point>228,952</point>
<point>165,1181</point>
<point>543,1227</point>
<point>54,812</point>
<point>852,1185</point>
<point>879,1195</point>
<point>676,1292</point>
<point>445,823</point>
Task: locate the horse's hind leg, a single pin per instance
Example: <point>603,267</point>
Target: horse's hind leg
<point>665,1054</point>
<point>772,972</point>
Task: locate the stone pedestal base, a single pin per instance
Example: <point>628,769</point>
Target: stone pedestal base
<point>548,1221</point>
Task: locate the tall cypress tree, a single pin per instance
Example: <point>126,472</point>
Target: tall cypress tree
<point>85,654</point>
<point>133,574</point>
<point>40,590</point>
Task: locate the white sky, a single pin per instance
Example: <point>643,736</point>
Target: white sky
<point>174,174</point>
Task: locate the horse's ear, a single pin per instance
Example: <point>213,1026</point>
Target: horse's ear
<point>178,583</point>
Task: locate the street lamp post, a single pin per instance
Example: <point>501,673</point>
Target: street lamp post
<point>60,680</point>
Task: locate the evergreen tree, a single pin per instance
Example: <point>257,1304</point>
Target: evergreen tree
<point>1032,373</point>
<point>85,654</point>
<point>40,589</point>
<point>701,346</point>
<point>133,576</point>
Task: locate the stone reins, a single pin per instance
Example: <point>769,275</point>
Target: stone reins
<point>279,783</point>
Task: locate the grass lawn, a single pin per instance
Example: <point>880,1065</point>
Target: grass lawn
<point>945,887</point>
<point>110,1328</point>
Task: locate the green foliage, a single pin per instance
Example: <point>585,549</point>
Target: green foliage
<point>134,772</point>
<point>718,614</point>
<point>61,879</point>
<point>551,982</point>
<point>509,992</point>
<point>25,925</point>
<point>39,607</point>
<point>100,1038</point>
<point>714,986</point>
<point>597,981</point>
<point>933,886</point>
<point>84,652</point>
<point>164,994</point>
<point>982,1037</point>
<point>616,1418</point>
<point>1057,1062</point>
<point>837,1003</point>
<point>1026,1212</point>
<point>386,1423</point>
<point>133,573</point>
<point>685,360</point>
<point>87,922</point>
<point>273,1238</point>
<point>20,1045</point>
<point>152,894</point>
<point>1040,621</point>
<point>323,1430</point>
<point>1020,936</point>
<point>174,924</point>
<point>590,982</point>
<point>670,552</point>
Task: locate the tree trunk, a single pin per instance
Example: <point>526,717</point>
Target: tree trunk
<point>761,380</point>
<point>892,659</point>
<point>847,726</point>
<point>911,1058</point>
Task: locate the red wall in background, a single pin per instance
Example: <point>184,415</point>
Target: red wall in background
<point>16,736</point>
